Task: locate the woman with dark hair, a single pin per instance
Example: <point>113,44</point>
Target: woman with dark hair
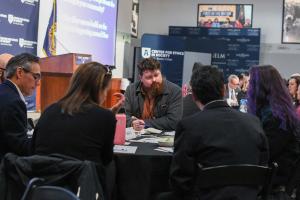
<point>293,85</point>
<point>269,99</point>
<point>77,125</point>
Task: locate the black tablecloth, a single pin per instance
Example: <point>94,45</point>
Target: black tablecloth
<point>142,175</point>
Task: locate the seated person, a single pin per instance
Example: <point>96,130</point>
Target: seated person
<point>77,125</point>
<point>269,99</point>
<point>218,135</point>
<point>231,91</point>
<point>23,76</point>
<point>152,101</point>
<point>189,106</point>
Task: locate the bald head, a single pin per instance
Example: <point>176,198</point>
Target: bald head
<point>4,58</point>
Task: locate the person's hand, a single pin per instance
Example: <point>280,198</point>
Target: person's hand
<point>138,124</point>
<point>120,102</point>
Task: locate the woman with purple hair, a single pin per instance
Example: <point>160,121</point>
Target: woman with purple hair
<point>269,99</point>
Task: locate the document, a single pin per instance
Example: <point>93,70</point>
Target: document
<point>125,149</point>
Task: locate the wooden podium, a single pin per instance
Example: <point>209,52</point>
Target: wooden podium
<point>56,74</point>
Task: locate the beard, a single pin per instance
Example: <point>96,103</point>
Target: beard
<point>156,89</point>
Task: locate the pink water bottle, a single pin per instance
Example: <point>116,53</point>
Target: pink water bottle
<point>120,129</point>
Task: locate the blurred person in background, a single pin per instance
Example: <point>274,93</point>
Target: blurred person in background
<point>4,58</point>
<point>293,85</point>
<point>269,99</point>
<point>231,90</point>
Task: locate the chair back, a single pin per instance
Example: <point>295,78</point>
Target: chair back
<point>237,175</point>
<point>51,193</point>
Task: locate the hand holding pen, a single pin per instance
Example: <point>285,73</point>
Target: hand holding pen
<point>137,124</point>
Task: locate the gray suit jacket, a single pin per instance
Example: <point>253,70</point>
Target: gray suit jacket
<point>168,106</point>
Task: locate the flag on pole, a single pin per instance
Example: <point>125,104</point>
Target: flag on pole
<point>49,46</point>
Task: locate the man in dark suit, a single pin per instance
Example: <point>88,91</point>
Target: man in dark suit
<point>231,91</point>
<point>23,75</point>
<point>216,136</point>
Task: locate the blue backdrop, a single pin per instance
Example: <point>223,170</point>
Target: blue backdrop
<point>241,50</point>
<point>169,50</point>
<point>19,28</point>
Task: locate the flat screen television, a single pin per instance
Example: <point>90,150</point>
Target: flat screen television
<point>225,15</point>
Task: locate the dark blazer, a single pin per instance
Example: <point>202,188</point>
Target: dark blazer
<point>226,93</point>
<point>13,121</point>
<point>219,135</point>
<point>86,136</point>
<point>189,107</point>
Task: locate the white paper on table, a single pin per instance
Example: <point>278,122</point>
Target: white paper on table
<point>131,133</point>
<point>165,149</point>
<point>125,149</point>
<point>153,140</point>
<point>170,133</point>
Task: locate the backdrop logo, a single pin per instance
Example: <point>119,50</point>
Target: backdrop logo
<point>10,18</point>
<point>28,44</point>
<point>146,52</point>
<point>219,55</point>
<point>16,20</point>
<point>7,41</point>
<point>21,42</point>
<point>29,2</point>
<point>242,55</point>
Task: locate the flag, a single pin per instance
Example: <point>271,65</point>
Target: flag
<point>49,47</point>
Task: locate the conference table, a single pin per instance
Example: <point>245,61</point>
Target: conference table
<point>143,174</point>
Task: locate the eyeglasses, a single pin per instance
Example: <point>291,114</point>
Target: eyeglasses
<point>36,76</point>
<point>3,69</point>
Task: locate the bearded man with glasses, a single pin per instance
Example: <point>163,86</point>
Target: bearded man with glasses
<point>23,76</point>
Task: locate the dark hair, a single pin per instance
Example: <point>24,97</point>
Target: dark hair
<point>267,88</point>
<point>196,66</point>
<point>148,64</point>
<point>207,84</point>
<point>22,60</point>
<point>86,83</point>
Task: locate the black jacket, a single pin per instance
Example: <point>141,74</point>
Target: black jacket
<point>13,121</point>
<point>86,136</point>
<point>219,135</point>
<point>56,169</point>
<point>283,143</point>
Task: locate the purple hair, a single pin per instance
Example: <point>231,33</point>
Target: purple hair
<point>267,88</point>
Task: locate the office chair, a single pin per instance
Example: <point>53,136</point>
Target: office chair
<point>237,175</point>
<point>34,191</point>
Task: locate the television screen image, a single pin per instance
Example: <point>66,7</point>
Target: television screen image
<point>225,15</point>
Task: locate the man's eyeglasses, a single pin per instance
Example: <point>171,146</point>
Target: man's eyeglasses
<point>3,69</point>
<point>36,76</point>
